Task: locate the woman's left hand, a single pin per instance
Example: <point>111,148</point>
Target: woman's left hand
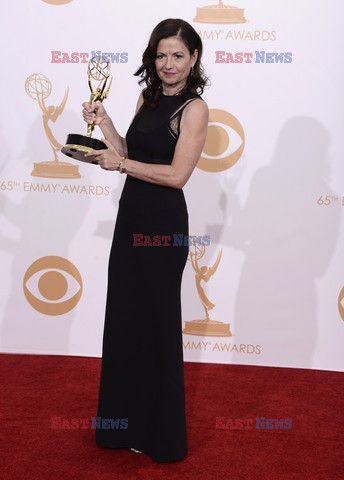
<point>107,159</point>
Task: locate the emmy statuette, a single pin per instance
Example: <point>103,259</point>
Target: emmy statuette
<point>77,145</point>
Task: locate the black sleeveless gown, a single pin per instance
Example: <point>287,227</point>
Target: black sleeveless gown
<point>142,371</point>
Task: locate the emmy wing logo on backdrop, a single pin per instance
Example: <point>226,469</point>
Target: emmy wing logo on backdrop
<point>341,303</point>
<point>38,87</point>
<point>220,13</point>
<point>52,285</point>
<point>204,327</point>
<point>218,152</point>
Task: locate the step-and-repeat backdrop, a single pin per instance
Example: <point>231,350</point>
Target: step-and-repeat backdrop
<point>268,189</point>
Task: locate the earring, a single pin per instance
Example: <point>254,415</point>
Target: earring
<point>191,71</point>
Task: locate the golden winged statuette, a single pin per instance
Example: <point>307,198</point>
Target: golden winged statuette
<point>77,145</point>
<point>206,326</point>
<point>38,87</point>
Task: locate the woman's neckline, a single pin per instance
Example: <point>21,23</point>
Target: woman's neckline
<point>175,95</point>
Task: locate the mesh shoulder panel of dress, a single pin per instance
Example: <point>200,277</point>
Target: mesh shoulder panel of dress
<point>168,111</point>
<point>153,133</point>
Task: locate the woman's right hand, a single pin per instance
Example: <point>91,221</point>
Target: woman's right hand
<point>94,114</point>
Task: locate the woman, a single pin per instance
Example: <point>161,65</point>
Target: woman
<point>142,375</point>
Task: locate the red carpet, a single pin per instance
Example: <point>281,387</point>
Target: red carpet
<point>38,387</point>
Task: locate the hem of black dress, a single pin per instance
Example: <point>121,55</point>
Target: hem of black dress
<point>146,452</point>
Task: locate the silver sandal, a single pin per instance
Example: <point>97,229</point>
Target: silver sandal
<point>134,450</point>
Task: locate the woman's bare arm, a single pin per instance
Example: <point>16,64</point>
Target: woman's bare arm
<point>188,150</point>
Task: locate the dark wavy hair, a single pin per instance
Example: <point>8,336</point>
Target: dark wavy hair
<point>171,27</point>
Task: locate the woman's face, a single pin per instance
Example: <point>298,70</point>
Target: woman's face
<point>173,63</point>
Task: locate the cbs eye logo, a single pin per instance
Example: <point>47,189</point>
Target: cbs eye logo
<point>341,303</point>
<point>52,285</point>
<point>224,144</point>
<point>57,2</point>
